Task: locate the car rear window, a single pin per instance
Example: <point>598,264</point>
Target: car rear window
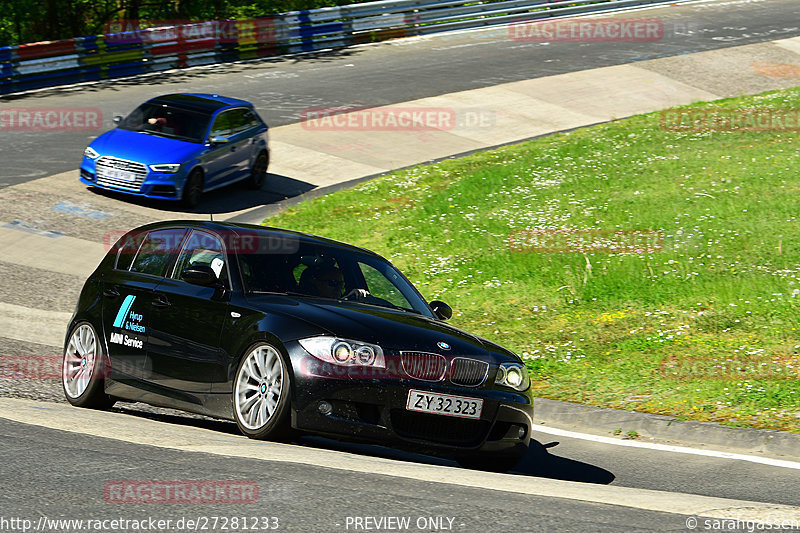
<point>157,251</point>
<point>234,121</point>
<point>127,250</point>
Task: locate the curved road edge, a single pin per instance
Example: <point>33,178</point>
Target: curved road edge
<point>603,421</point>
<point>155,433</point>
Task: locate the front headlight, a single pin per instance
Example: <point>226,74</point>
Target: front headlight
<point>344,351</point>
<point>91,153</point>
<point>166,168</point>
<point>513,375</point>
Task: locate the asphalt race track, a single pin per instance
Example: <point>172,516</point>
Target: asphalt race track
<point>392,72</point>
<point>57,460</point>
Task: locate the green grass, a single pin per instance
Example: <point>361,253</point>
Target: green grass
<point>706,327</point>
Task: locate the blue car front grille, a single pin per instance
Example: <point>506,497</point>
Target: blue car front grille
<point>120,173</point>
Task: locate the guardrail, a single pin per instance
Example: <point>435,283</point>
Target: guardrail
<point>129,53</point>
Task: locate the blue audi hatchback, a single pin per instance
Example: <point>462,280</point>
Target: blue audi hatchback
<point>178,146</point>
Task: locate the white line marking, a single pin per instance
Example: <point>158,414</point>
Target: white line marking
<point>668,447</point>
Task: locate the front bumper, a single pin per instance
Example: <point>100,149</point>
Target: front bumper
<point>373,409</point>
<point>155,185</point>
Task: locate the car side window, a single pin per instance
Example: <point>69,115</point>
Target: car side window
<point>250,119</point>
<point>202,248</point>
<point>157,250</point>
<point>240,120</point>
<point>223,125</point>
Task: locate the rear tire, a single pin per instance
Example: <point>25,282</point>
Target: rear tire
<point>258,175</point>
<point>262,394</point>
<point>193,189</point>
<point>83,369</point>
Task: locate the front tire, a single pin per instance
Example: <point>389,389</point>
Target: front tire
<point>193,189</point>
<point>83,368</point>
<point>261,394</point>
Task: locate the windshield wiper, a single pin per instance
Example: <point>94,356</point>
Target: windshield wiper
<point>384,305</point>
<point>282,293</point>
<point>305,295</point>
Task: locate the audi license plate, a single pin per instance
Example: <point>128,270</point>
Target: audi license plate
<point>117,174</point>
<point>444,404</point>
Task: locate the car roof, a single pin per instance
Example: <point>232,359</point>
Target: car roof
<point>247,229</point>
<point>202,102</point>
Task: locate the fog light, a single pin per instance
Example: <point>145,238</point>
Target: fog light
<point>522,432</point>
<point>325,408</point>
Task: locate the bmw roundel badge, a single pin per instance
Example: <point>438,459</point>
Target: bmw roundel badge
<point>443,345</point>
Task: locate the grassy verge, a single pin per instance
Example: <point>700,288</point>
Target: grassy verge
<point>701,321</point>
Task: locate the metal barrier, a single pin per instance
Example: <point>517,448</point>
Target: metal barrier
<point>130,53</point>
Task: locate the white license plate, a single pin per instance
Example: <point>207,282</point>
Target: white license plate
<point>444,404</point>
<point>116,174</point>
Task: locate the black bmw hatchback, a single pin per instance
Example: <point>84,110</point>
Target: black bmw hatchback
<point>285,332</point>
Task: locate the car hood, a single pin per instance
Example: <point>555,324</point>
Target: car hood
<point>391,329</point>
<point>145,148</point>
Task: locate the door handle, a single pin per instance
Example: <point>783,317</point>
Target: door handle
<point>111,293</point>
<point>161,301</point>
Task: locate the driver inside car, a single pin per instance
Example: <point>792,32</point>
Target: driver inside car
<point>328,282</point>
<point>164,123</point>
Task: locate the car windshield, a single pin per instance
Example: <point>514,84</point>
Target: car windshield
<point>321,271</point>
<point>167,121</point>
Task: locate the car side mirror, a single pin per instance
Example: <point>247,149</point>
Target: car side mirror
<point>441,310</point>
<point>218,139</point>
<point>117,119</point>
<point>200,275</point>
